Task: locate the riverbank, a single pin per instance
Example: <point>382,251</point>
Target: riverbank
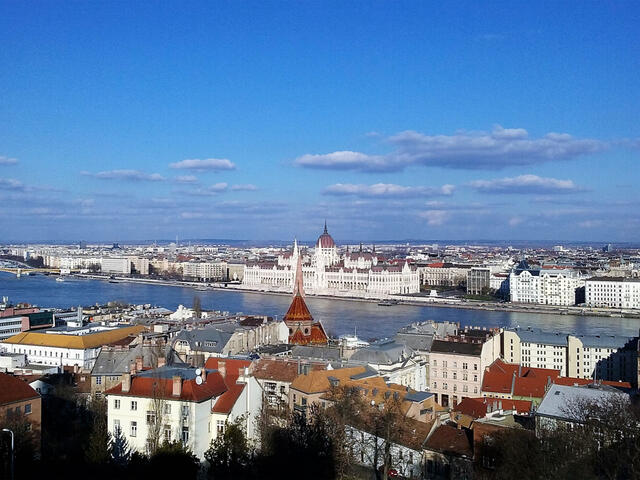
<point>403,299</point>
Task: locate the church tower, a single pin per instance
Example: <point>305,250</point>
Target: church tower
<point>302,329</point>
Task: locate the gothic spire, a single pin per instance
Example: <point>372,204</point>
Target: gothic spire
<point>298,288</point>
<point>325,226</point>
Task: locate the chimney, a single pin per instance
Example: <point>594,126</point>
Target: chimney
<point>204,375</point>
<point>222,368</point>
<point>177,386</point>
<point>162,362</point>
<point>126,382</point>
<point>138,364</point>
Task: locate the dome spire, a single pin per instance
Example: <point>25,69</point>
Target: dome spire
<point>325,226</point>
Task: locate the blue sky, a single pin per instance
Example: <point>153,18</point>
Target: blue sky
<point>256,120</point>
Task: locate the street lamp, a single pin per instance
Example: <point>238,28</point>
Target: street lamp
<point>9,431</point>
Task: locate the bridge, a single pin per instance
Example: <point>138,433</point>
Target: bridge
<point>19,271</point>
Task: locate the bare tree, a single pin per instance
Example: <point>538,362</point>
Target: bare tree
<point>197,307</point>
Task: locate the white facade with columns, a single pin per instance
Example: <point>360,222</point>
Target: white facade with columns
<point>327,272</point>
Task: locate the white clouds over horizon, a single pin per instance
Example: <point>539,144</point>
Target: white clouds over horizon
<point>7,160</point>
<point>525,184</point>
<point>212,164</point>
<point>500,148</point>
<point>126,174</point>
<point>381,190</point>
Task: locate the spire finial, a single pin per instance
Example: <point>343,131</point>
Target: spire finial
<point>298,288</point>
<point>325,226</point>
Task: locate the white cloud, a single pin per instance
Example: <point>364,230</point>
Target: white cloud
<point>502,147</point>
<point>126,174</point>
<point>197,164</point>
<point>11,184</point>
<point>345,160</point>
<point>386,190</point>
<point>186,179</point>
<point>434,217</point>
<point>7,160</point>
<point>525,184</point>
<point>247,187</point>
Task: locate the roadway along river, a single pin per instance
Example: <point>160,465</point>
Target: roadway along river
<point>338,316</point>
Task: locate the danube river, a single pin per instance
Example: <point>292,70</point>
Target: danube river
<point>338,316</point>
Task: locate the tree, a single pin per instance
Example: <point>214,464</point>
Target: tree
<point>174,460</point>
<point>230,455</point>
<point>25,447</point>
<point>119,449</point>
<point>156,422</point>
<point>97,447</point>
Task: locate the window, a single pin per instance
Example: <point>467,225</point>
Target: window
<point>220,427</point>
<point>134,405</point>
<point>18,410</point>
<point>185,435</point>
<point>304,400</point>
<point>134,429</point>
<point>475,366</point>
<point>116,404</point>
<point>151,417</point>
<point>116,425</point>
<point>27,409</point>
<point>99,380</point>
<point>185,410</point>
<point>465,366</point>
<point>435,362</point>
<point>167,433</point>
<point>475,378</point>
<point>167,408</point>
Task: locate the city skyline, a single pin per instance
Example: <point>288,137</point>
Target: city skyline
<point>258,121</point>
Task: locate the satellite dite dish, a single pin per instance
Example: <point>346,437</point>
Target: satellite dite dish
<point>199,380</point>
<point>198,371</point>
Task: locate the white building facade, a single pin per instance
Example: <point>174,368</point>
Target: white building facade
<point>327,272</point>
<point>613,292</point>
<point>545,287</point>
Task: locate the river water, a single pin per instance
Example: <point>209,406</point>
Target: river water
<point>338,316</point>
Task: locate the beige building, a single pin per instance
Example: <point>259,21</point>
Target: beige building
<point>456,365</point>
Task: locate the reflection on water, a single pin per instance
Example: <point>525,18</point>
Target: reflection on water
<point>338,316</point>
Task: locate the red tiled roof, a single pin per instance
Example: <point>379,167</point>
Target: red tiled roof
<point>511,378</point>
<point>298,310</point>
<point>477,407</point>
<point>149,387</point>
<point>13,389</point>
<point>436,265</point>
<point>571,381</point>
<point>228,399</point>
<point>279,369</point>
<point>231,365</point>
<point>447,439</point>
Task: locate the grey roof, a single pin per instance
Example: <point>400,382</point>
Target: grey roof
<point>116,362</point>
<point>441,329</point>
<point>415,341</point>
<point>531,335</point>
<point>309,351</point>
<point>209,339</point>
<point>538,336</point>
<point>560,399</point>
<point>387,352</point>
<point>183,370</point>
<point>368,372</point>
<point>418,396</point>
<point>604,341</point>
<point>461,348</point>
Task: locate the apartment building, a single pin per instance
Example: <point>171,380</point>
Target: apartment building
<point>544,286</point>
<point>67,347</point>
<point>457,364</point>
<point>180,403</point>
<point>613,292</point>
<point>606,357</point>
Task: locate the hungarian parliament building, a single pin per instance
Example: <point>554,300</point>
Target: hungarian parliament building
<point>326,272</point>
